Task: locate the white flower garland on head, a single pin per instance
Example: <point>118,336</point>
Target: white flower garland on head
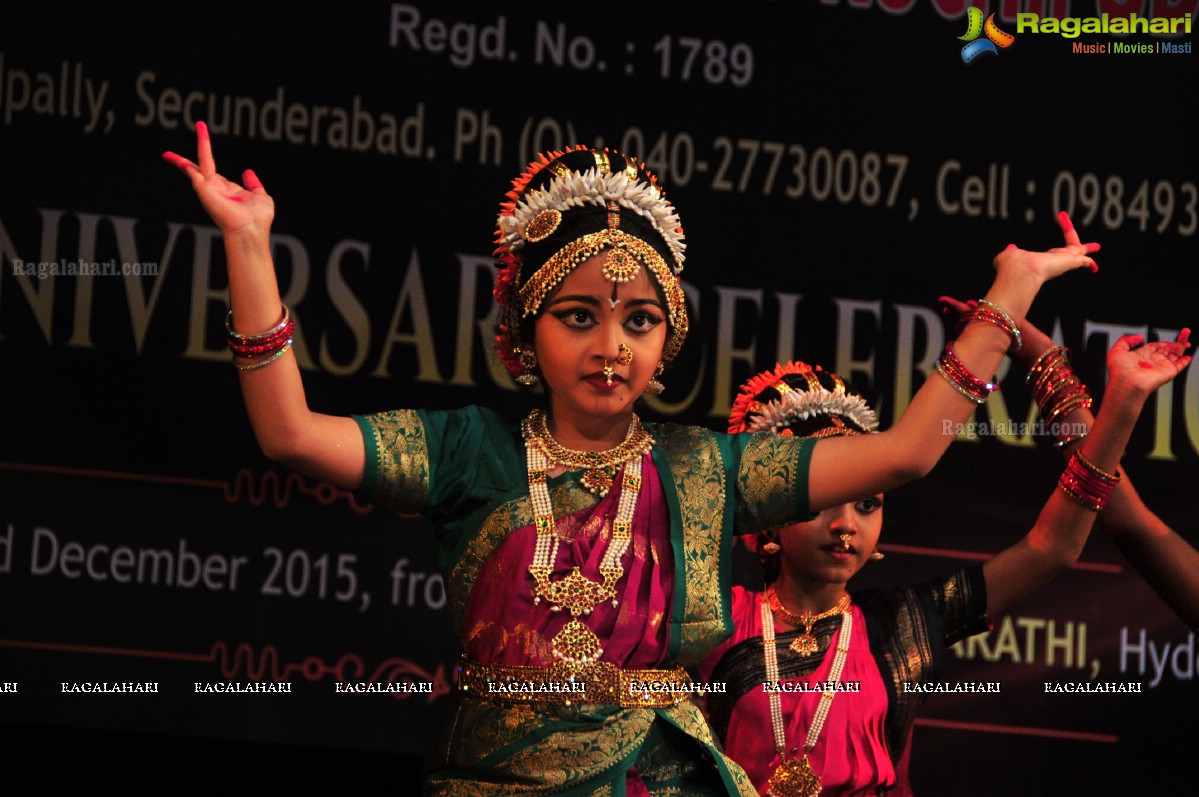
<point>594,187</point>
<point>801,405</point>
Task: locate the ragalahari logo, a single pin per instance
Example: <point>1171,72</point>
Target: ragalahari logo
<point>995,38</point>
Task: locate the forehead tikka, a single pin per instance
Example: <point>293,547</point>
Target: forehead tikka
<point>619,266</point>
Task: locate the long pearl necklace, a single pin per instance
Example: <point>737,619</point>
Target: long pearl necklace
<point>796,778</point>
<point>578,594</point>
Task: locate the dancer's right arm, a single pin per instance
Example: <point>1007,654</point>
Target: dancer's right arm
<point>845,468</point>
<point>324,447</point>
<point>1163,557</point>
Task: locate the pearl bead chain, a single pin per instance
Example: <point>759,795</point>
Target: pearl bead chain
<point>770,655</point>
<point>583,594</point>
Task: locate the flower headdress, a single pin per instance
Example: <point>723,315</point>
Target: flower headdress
<point>797,399</point>
<point>569,206</point>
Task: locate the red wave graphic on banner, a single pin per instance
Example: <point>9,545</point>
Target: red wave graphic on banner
<point>280,487</point>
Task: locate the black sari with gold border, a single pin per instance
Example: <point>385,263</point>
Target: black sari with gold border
<point>909,630</point>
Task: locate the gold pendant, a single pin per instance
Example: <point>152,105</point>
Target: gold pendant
<point>577,594</point>
<point>619,266</point>
<point>577,643</point>
<point>805,644</point>
<point>794,779</point>
<point>598,481</point>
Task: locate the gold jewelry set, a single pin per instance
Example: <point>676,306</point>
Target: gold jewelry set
<point>805,643</point>
<point>578,594</point>
<point>578,676</point>
<point>796,778</point>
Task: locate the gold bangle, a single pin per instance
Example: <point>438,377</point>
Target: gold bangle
<point>1086,463</point>
<point>1039,363</point>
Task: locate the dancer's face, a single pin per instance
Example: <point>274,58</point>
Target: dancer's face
<point>835,545</point>
<point>579,333</point>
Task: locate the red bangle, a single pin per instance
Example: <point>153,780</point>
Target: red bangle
<point>271,342</point>
<point>961,379</point>
<point>992,313</point>
<point>1086,484</point>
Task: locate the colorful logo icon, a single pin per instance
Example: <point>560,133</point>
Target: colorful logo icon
<point>995,38</point>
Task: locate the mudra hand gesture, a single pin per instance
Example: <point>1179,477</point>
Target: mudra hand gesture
<point>1144,367</point>
<point>235,208</point>
<point>1046,265</point>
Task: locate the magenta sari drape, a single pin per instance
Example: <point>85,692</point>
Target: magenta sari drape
<point>851,755</point>
<point>503,626</point>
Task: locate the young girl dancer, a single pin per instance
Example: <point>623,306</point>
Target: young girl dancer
<point>819,680</point>
<point>580,546</point>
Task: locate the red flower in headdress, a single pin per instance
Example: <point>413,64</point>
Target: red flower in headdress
<point>749,391</point>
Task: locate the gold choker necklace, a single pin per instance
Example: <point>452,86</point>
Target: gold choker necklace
<point>805,643</point>
<point>578,594</point>
<point>601,466</point>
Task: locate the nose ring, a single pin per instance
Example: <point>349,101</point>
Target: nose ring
<point>844,537</point>
<point>625,358</point>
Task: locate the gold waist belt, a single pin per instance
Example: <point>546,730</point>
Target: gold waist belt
<point>567,684</point>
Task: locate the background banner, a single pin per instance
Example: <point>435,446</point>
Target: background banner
<point>837,166</point>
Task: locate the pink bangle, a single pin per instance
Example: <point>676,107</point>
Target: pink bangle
<point>1057,391</point>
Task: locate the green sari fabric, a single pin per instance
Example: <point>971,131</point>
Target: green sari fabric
<point>465,470</point>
